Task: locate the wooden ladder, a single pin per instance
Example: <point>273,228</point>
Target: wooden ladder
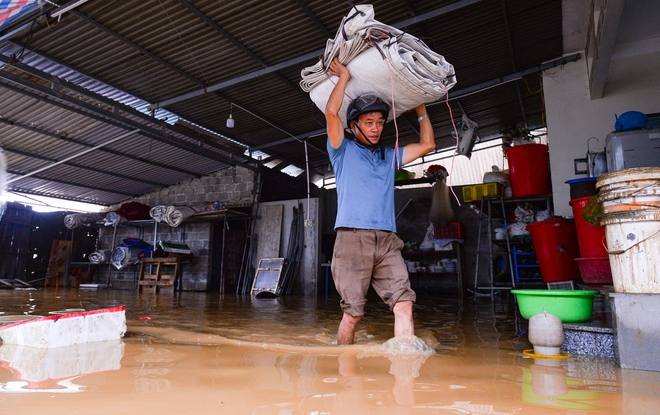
<point>157,282</point>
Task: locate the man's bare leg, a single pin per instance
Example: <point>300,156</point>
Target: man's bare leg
<point>347,327</point>
<point>403,319</point>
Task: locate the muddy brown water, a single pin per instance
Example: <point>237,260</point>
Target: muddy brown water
<point>198,353</point>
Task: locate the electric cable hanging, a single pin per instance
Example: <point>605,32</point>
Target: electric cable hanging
<point>451,170</point>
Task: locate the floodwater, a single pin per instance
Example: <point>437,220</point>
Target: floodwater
<point>196,353</point>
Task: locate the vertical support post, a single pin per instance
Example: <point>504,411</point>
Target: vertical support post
<point>67,268</point>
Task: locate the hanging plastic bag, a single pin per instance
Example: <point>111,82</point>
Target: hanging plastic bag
<point>467,136</point>
<point>441,210</point>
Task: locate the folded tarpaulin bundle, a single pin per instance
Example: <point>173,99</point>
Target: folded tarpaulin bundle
<point>123,256</point>
<point>172,215</point>
<point>157,212</point>
<point>76,219</point>
<point>134,211</point>
<point>383,61</point>
<point>114,219</point>
<point>99,257</point>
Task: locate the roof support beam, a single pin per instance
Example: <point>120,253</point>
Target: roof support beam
<point>601,37</point>
<point>411,10</point>
<point>137,47</point>
<point>155,58</point>
<point>159,60</point>
<point>238,44</point>
<point>82,153</point>
<point>514,67</point>
<point>125,108</point>
<point>84,144</point>
<point>82,167</point>
<point>50,179</point>
<point>67,107</point>
<point>304,58</point>
<point>106,116</point>
<point>315,19</point>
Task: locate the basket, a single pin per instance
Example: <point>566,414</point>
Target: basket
<point>482,191</point>
<point>453,230</point>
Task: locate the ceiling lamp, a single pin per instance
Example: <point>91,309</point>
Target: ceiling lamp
<point>230,120</point>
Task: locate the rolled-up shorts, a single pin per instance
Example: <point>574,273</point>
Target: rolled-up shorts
<point>362,257</point>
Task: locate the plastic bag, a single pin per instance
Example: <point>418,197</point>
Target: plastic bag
<point>542,215</point>
<point>593,211</point>
<point>427,243</point>
<point>497,176</point>
<point>524,214</point>
<point>467,136</point>
<point>517,229</point>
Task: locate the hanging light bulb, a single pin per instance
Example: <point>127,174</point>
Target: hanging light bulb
<point>230,120</point>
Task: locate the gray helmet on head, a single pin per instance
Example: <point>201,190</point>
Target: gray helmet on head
<point>365,104</point>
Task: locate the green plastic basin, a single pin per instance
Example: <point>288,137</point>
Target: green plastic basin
<point>571,306</point>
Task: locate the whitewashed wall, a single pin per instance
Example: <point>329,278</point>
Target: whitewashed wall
<point>633,84</point>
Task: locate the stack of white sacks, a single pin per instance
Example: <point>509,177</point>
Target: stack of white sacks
<point>384,61</point>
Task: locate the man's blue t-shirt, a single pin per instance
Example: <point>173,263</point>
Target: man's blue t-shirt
<point>365,186</point>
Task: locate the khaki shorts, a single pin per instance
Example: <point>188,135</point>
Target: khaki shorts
<point>362,257</point>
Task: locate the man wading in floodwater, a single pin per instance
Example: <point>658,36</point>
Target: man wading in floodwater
<point>367,249</point>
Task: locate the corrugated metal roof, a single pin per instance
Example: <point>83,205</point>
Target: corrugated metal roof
<point>139,53</point>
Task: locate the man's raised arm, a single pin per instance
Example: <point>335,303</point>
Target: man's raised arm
<point>332,119</point>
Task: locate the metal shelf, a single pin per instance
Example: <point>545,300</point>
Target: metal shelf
<point>493,215</point>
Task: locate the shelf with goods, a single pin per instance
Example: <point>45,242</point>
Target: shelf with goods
<point>512,257</point>
<point>436,264</point>
<point>146,228</point>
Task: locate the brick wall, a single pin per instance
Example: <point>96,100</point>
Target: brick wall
<point>232,186</point>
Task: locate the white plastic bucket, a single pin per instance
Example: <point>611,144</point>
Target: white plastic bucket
<point>630,189</point>
<point>633,239</point>
<point>631,216</point>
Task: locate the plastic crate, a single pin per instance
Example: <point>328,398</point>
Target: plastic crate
<point>482,191</point>
<point>453,230</point>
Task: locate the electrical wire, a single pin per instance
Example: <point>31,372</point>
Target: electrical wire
<point>451,169</point>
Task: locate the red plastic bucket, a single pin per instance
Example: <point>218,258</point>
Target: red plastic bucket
<point>595,270</point>
<point>590,238</point>
<point>528,170</point>
<point>556,245</point>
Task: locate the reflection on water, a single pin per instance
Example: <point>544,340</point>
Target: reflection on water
<point>197,353</point>
<point>54,370</point>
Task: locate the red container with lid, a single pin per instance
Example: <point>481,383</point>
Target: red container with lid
<point>556,245</point>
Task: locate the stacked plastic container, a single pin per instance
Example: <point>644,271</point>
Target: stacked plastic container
<point>594,261</point>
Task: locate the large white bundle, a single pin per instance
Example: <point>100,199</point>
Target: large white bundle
<point>175,215</point>
<point>123,256</point>
<point>157,212</point>
<point>114,219</point>
<point>74,220</point>
<point>99,257</point>
<point>172,215</point>
<point>383,61</point>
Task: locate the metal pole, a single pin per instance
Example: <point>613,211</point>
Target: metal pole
<point>50,166</point>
